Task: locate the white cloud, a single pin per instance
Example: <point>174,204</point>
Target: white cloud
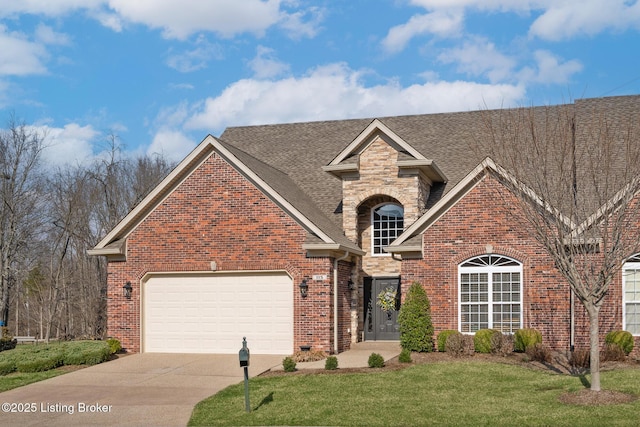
<point>480,58</point>
<point>337,92</point>
<point>550,69</point>
<point>173,145</point>
<point>197,58</point>
<point>180,19</point>
<point>442,23</point>
<point>296,26</point>
<point>265,65</point>
<point>69,145</point>
<point>563,20</point>
<point>19,56</point>
<point>47,35</point>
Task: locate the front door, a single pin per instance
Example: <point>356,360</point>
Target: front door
<point>381,303</point>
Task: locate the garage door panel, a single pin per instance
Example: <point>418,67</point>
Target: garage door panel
<point>211,313</point>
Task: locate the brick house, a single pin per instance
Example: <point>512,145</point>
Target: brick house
<point>289,234</point>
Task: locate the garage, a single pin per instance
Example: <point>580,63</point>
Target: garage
<point>210,313</point>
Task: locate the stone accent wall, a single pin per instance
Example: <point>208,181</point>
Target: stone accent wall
<point>217,215</point>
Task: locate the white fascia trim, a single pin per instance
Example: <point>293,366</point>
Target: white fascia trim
<point>270,191</point>
<point>366,133</point>
<point>331,247</point>
<point>167,181</point>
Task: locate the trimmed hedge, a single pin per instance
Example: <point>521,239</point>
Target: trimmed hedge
<point>289,364</point>
<point>405,356</point>
<point>43,362</point>
<point>375,361</point>
<point>331,364</point>
<point>7,367</point>
<point>86,353</point>
<point>623,339</point>
<point>526,337</point>
<point>442,338</point>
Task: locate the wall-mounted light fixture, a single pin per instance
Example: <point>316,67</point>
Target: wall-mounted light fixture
<point>304,288</point>
<point>126,290</point>
<point>351,285</point>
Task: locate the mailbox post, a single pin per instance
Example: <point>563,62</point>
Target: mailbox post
<point>244,355</point>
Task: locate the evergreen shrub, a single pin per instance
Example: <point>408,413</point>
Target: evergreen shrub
<point>416,329</point>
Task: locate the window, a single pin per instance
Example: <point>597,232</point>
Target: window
<point>490,294</point>
<point>631,295</point>
<point>387,223</point>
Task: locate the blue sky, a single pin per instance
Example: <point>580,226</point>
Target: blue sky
<point>162,74</point>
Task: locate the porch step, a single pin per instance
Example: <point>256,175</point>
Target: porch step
<point>377,346</point>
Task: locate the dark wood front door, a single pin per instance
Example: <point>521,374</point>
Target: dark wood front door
<point>381,304</point>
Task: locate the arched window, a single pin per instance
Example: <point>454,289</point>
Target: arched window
<point>490,294</point>
<point>631,295</point>
<point>387,223</point>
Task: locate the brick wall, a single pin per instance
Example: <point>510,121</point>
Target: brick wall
<point>484,221</point>
<point>217,215</point>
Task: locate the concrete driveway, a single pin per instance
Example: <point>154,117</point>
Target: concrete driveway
<point>135,390</point>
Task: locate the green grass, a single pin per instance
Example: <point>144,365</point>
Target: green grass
<point>446,394</point>
<point>36,362</point>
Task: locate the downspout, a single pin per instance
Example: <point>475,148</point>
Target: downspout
<point>335,300</point>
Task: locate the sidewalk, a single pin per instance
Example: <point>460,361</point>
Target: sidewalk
<point>357,356</point>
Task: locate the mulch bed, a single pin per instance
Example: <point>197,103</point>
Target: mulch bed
<point>559,365</point>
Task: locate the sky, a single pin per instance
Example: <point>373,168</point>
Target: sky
<point>161,75</point>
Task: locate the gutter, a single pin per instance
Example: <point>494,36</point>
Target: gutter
<point>335,299</point>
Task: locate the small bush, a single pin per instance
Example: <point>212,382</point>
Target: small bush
<point>331,364</point>
<point>7,367</point>
<point>442,338</point>
<point>6,340</point>
<point>460,345</point>
<point>289,364</point>
<point>623,339</point>
<point>405,356</point>
<point>526,337</point>
<point>416,329</point>
<point>85,352</point>
<point>613,353</point>
<point>45,362</point>
<point>580,358</point>
<point>376,361</point>
<point>483,338</point>
<point>539,353</point>
<point>114,345</point>
<point>505,345</point>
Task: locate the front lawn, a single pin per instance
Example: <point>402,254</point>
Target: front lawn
<point>28,363</point>
<point>447,393</point>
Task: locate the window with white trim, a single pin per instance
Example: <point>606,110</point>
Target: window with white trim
<point>490,294</point>
<point>387,222</point>
<point>631,295</point>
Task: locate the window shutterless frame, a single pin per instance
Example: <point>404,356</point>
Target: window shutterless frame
<point>631,295</point>
<point>387,223</point>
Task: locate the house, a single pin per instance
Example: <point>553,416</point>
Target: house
<point>290,234</point>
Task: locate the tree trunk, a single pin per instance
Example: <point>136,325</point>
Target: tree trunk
<point>594,342</point>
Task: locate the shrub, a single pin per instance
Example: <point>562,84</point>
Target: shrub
<point>483,338</point>
<point>6,340</point>
<point>43,362</point>
<point>526,337</point>
<point>459,345</point>
<point>289,364</point>
<point>114,345</point>
<point>405,356</point>
<point>623,339</point>
<point>579,358</point>
<point>331,364</point>
<point>416,329</point>
<point>376,361</point>
<point>505,345</point>
<point>539,353</point>
<point>7,367</point>
<point>613,353</point>
<point>442,338</point>
<point>85,352</point>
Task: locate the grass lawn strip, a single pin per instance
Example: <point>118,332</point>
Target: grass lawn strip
<point>447,394</point>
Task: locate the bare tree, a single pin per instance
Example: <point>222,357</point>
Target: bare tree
<point>20,216</point>
<point>574,170</point>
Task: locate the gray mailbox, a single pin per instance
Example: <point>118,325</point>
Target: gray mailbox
<point>243,354</point>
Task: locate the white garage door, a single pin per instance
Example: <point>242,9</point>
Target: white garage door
<point>211,313</point>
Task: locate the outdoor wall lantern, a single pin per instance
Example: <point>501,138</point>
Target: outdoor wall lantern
<point>351,285</point>
<point>126,290</point>
<point>304,288</point>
